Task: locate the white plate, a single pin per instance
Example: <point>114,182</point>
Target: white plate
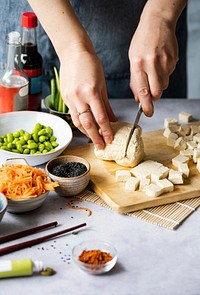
<point>13,121</point>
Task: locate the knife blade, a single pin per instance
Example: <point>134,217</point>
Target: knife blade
<point>133,128</point>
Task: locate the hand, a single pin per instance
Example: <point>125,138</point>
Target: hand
<point>83,89</point>
<point>153,55</point>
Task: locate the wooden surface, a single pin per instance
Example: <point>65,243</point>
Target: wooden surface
<point>114,194</point>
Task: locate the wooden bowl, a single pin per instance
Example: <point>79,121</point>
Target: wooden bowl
<point>69,186</point>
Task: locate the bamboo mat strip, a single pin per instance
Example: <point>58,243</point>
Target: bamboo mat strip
<point>169,216</point>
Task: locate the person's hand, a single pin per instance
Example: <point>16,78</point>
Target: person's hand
<point>153,55</point>
<point>84,91</point>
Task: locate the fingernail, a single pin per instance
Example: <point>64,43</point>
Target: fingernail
<point>99,146</point>
<point>107,139</point>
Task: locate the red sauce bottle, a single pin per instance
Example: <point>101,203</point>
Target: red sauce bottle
<point>31,60</point>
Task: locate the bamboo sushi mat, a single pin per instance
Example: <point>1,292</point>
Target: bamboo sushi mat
<point>169,216</point>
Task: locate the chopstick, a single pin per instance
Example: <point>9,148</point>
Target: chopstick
<point>30,243</point>
<point>27,232</point>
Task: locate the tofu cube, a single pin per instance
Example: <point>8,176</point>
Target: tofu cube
<point>166,185</point>
<point>180,144</point>
<point>196,154</point>
<point>168,122</point>
<point>187,153</point>
<point>179,160</point>
<point>185,117</point>
<point>132,184</point>
<point>198,164</point>
<point>184,130</point>
<point>184,169</point>
<point>191,145</point>
<point>176,177</point>
<point>122,175</point>
<point>196,138</point>
<point>194,129</point>
<point>143,184</point>
<point>153,190</point>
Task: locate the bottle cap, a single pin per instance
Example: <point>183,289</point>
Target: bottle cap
<point>29,20</point>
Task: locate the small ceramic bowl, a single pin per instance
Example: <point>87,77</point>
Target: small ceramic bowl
<point>64,116</point>
<point>3,205</point>
<point>94,269</point>
<point>21,206</point>
<point>69,186</point>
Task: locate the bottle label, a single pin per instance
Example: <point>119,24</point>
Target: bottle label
<point>35,80</point>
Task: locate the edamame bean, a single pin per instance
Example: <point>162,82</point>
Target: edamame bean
<point>40,140</point>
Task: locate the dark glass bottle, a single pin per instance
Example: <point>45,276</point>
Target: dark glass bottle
<point>31,60</point>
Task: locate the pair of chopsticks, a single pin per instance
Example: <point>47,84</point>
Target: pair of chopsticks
<point>36,241</point>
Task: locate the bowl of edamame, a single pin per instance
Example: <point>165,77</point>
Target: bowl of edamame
<point>35,136</point>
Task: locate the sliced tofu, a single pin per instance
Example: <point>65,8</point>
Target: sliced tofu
<point>153,190</point>
<point>122,175</point>
<point>167,132</point>
<point>160,173</point>
<point>179,160</point>
<point>184,169</point>
<point>143,184</point>
<point>166,185</point>
<point>168,122</point>
<point>187,153</point>
<point>176,177</point>
<point>144,169</point>
<point>132,184</point>
<point>185,117</point>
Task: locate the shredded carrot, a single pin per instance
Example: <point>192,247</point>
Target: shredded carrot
<point>23,181</point>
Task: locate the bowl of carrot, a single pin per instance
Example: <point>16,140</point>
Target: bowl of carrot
<point>25,187</point>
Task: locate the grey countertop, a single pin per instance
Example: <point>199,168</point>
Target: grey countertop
<point>151,260</point>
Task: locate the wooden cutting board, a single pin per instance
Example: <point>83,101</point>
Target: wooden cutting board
<point>114,194</point>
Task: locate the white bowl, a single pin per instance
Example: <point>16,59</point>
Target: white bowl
<point>3,205</point>
<point>26,120</point>
<point>94,269</point>
<point>21,206</point>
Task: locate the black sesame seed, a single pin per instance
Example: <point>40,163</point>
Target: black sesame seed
<point>69,169</point>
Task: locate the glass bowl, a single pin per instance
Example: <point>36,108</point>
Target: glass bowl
<point>94,269</point>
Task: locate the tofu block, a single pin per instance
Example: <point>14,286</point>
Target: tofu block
<point>168,122</point>
<point>196,138</point>
<point>185,117</point>
<point>179,160</point>
<point>196,154</point>
<point>153,190</point>
<point>180,144</point>
<point>122,175</point>
<point>184,169</point>
<point>187,153</point>
<point>198,164</point>
<point>166,185</point>
<point>191,145</point>
<point>143,184</point>
<point>176,177</point>
<point>132,184</point>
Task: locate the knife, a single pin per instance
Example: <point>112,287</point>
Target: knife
<point>133,128</point>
